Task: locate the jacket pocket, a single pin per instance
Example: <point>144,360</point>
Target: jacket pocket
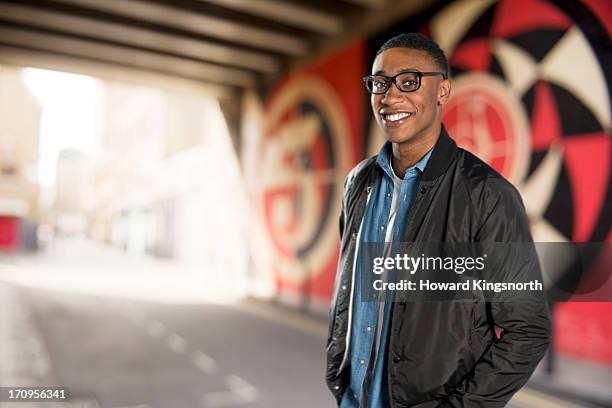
<point>480,335</point>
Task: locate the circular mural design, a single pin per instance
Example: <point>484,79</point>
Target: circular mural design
<point>552,58</point>
<point>485,118</point>
<point>303,158</point>
<point>538,110</point>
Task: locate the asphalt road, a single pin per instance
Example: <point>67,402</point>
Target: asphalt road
<point>106,327</point>
<point>121,353</point>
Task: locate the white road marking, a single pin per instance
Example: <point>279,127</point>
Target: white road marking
<point>84,403</point>
<point>222,399</point>
<point>177,343</point>
<point>239,392</point>
<point>233,381</point>
<point>205,363</point>
<point>156,328</point>
<point>135,406</point>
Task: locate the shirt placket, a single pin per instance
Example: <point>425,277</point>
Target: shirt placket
<point>374,325</point>
<point>375,232</point>
<point>405,201</point>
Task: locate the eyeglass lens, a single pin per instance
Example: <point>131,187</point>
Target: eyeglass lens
<point>406,82</point>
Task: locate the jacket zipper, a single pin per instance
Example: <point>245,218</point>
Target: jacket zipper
<point>390,350</point>
<point>350,311</point>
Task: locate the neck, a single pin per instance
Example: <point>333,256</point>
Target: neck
<point>409,153</point>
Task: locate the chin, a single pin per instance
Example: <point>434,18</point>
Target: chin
<point>408,133</point>
<point>396,135</point>
<point>394,138</point>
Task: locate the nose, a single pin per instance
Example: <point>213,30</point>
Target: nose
<point>392,95</point>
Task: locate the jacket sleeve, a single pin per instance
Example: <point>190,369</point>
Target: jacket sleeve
<point>341,222</point>
<point>334,357</point>
<point>509,362</point>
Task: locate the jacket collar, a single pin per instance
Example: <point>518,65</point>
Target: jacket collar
<point>443,155</point>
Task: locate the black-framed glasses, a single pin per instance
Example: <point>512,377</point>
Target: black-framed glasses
<point>405,81</point>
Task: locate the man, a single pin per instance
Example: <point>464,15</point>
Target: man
<point>422,188</point>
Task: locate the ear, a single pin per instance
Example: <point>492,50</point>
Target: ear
<point>444,90</point>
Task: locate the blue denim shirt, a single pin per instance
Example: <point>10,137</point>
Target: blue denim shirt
<point>365,314</point>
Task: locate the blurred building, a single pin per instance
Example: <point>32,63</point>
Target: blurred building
<point>72,192</point>
<point>20,113</point>
<point>167,181</point>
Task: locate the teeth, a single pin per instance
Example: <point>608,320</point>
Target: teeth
<point>397,116</point>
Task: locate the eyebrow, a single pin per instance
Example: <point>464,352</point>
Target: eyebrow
<point>401,71</point>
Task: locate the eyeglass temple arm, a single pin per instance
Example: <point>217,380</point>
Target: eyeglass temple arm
<point>444,76</point>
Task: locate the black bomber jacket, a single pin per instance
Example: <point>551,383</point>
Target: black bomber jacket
<point>445,354</point>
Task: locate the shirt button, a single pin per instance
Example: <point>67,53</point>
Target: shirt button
<point>423,190</point>
<point>336,387</point>
<point>396,358</point>
<point>369,328</point>
<point>388,195</point>
<point>362,361</point>
<point>354,235</point>
<point>368,189</point>
<point>343,287</point>
<point>382,227</point>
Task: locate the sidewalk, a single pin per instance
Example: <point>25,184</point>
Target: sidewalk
<point>577,380</point>
<point>84,266</point>
<point>24,357</point>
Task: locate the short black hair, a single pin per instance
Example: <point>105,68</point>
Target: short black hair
<point>418,41</point>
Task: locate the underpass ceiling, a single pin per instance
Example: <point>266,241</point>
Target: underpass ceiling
<point>220,46</point>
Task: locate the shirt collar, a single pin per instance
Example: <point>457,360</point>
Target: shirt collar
<point>384,160</point>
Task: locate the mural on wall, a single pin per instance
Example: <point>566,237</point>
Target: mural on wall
<point>532,99</point>
<point>312,122</point>
<point>531,96</point>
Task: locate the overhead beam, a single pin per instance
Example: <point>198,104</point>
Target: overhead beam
<point>126,56</point>
<point>374,4</point>
<point>286,13</point>
<point>198,23</point>
<point>138,37</point>
<point>375,21</point>
<point>20,57</point>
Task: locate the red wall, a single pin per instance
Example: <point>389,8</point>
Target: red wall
<point>514,58</point>
<point>9,233</point>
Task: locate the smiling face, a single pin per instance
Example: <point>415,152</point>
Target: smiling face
<point>410,117</point>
